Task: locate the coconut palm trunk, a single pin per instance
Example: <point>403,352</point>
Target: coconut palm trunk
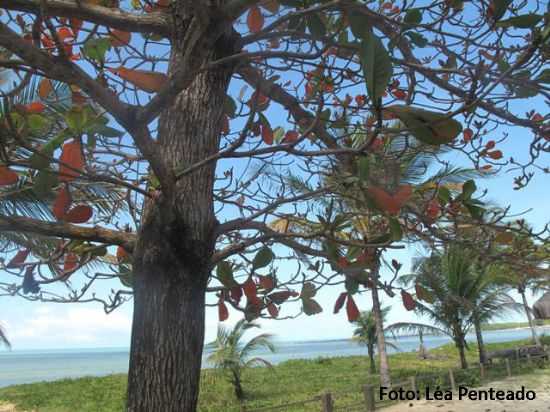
<point>479,337</point>
<point>384,367</point>
<point>370,349</point>
<point>536,338</point>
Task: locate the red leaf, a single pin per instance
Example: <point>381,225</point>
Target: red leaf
<point>71,262</point>
<point>351,309</point>
<point>61,203</point>
<point>45,88</point>
<point>223,313</point>
<point>282,296</point>
<point>399,94</point>
<point>149,81</point>
<point>79,214</point>
<point>255,19</point>
<point>76,24</point>
<point>236,293</point>
<point>18,259</point>
<point>272,309</point>
<point>490,145</point>
<point>65,33</point>
<point>271,5</point>
<point>408,301</point>
<point>249,289</point>
<point>291,136</point>
<point>7,176</point>
<point>468,134</point>
<point>267,135</point>
<point>343,262</point>
<point>391,204</point>
<point>121,254</point>
<point>34,107</point>
<point>266,282</point>
<point>497,154</point>
<point>433,210</point>
<point>71,159</point>
<point>340,302</point>
<point>120,38</point>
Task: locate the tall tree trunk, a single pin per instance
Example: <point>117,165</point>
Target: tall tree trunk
<point>384,368</point>
<point>479,337</point>
<point>176,240</point>
<point>460,343</point>
<point>370,349</point>
<point>462,353</point>
<point>529,317</point>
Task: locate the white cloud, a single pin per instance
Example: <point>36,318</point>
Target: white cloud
<point>66,326</point>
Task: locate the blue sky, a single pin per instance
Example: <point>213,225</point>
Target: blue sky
<point>39,325</point>
<point>33,325</point>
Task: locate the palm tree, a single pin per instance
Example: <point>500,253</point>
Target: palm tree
<point>232,356</point>
<point>365,334</point>
<point>456,296</point>
<point>401,160</point>
<point>526,268</point>
<point>3,339</point>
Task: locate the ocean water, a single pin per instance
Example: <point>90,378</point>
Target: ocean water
<point>19,367</point>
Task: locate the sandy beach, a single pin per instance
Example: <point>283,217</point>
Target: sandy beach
<point>538,382</point>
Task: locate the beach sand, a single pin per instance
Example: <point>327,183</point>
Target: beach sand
<point>538,382</point>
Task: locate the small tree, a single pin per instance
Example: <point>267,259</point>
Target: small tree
<point>455,297</point>
<point>365,333</point>
<point>232,356</point>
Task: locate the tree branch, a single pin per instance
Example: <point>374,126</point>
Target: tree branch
<point>67,230</point>
<point>158,23</point>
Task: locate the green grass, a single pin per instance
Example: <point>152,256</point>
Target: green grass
<point>512,325</point>
<point>293,380</point>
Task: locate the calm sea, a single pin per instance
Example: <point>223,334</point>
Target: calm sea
<point>17,367</point>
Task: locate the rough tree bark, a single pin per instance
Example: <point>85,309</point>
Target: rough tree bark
<point>385,379</point>
<point>172,258</point>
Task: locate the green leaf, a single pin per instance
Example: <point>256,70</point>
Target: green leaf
<point>262,258</point>
<point>443,195</point>
<point>525,21</point>
<point>224,272</point>
<point>308,291</point>
<point>428,127</point>
<point>500,7</point>
<point>44,182</point>
<point>38,124</point>
<point>352,286</point>
<point>359,26</point>
<point>41,160</point>
<point>316,26</point>
<point>95,49</point>
<point>125,276</point>
<point>544,76</point>
<point>468,189</point>
<point>105,131</point>
<point>229,106</point>
<point>377,66</point>
<point>78,118</point>
<point>363,166</point>
<point>417,39</point>
<point>311,307</point>
<point>475,211</point>
<point>395,230</point>
<point>413,16</point>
